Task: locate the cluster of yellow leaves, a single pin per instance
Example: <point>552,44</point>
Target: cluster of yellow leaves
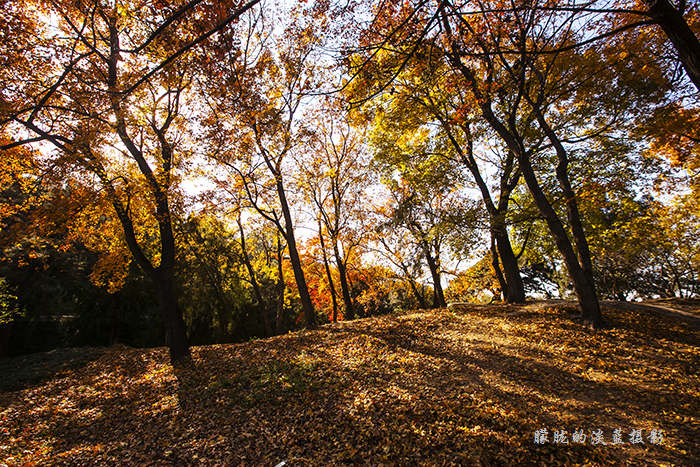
<point>18,177</point>
<point>477,284</point>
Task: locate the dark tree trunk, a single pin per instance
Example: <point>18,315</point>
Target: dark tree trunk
<point>514,291</point>
<point>572,212</point>
<point>679,33</point>
<point>511,283</point>
<point>114,328</point>
<point>163,276</point>
<point>279,315</point>
<point>438,295</point>
<point>331,285</point>
<point>349,309</point>
<point>584,288</point>
<point>5,332</point>
<point>497,267</point>
<point>175,334</point>
<point>306,304</point>
<point>419,296</point>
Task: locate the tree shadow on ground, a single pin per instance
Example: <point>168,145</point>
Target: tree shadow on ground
<point>538,384</point>
<point>408,396</point>
<point>434,388</point>
<point>27,371</point>
<point>100,404</point>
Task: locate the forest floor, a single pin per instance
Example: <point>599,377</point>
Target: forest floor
<point>468,385</point>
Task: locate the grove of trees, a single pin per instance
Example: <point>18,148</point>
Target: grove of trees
<point>203,171</point>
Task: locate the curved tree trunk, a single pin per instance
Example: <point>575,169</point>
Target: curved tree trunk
<point>267,320</point>
<point>438,295</point>
<point>572,212</point>
<point>584,288</point>
<point>162,276</point>
<point>511,282</point>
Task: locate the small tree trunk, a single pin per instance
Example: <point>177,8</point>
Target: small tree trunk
<point>419,296</point>
<point>349,311</point>
<point>509,279</point>
<point>254,282</point>
<point>438,295</point>
<point>279,316</point>
<point>331,286</point>
<point>497,268</point>
<point>5,332</point>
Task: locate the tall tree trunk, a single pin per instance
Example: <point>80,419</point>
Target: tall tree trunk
<point>679,33</point>
<point>306,304</point>
<point>164,275</point>
<point>584,288</point>
<point>572,212</point>
<point>438,295</point>
<point>511,283</point>
<point>331,286</point>
<point>349,310</point>
<point>176,335</point>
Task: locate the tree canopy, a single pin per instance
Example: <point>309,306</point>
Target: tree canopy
<point>241,169</point>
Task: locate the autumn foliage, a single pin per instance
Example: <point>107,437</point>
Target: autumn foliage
<point>202,173</point>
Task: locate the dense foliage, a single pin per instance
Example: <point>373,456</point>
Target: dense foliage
<point>206,172</point>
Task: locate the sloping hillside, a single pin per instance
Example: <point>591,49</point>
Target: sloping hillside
<point>467,385</point>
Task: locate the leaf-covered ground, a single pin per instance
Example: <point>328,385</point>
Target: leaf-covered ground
<point>469,386</point>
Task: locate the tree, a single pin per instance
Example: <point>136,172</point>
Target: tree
<point>476,283</point>
<point>628,20</point>
<point>396,247</point>
<point>334,176</point>
<point>425,98</point>
<point>434,216</point>
<point>577,259</point>
<point>84,113</point>
<point>516,57</point>
<point>253,127</point>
